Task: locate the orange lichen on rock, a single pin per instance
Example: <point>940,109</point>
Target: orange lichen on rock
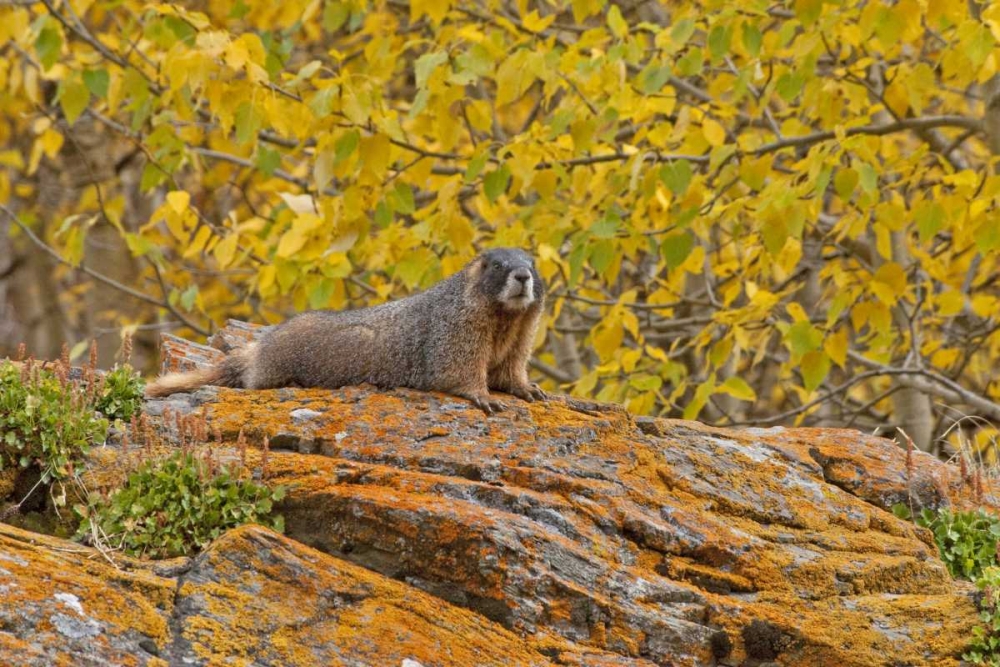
<point>643,539</point>
<point>254,597</point>
<point>260,598</point>
<point>59,602</point>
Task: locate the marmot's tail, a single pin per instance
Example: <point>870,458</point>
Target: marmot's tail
<point>227,373</point>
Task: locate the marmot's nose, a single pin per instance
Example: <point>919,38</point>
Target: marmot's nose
<point>522,275</point>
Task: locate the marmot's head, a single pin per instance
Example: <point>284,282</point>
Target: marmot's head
<point>507,276</point>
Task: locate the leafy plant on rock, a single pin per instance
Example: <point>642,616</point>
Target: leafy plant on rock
<point>985,647</point>
<point>45,420</point>
<point>121,395</point>
<point>176,506</point>
<point>967,540</point>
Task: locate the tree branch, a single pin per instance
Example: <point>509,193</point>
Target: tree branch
<point>935,384</point>
<point>917,124</point>
<point>111,282</point>
<point>551,371</point>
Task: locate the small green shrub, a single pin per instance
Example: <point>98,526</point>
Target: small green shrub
<point>176,506</point>
<point>985,647</point>
<point>45,419</point>
<point>967,541</point>
<point>121,395</point>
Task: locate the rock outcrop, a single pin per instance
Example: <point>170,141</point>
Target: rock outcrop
<point>558,533</point>
<point>254,598</point>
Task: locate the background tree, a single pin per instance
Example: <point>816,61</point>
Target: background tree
<point>751,213</point>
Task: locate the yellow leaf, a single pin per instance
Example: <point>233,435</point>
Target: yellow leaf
<point>835,345</point>
<point>323,168</point>
<point>12,158</point>
<point>815,367</point>
<point>535,23</point>
<point>374,153</point>
<point>513,77</point>
<point>176,225</point>
<point>585,384</point>
<point>608,339</point>
<point>617,23</point>
<point>225,250</point>
<point>738,388</point>
<point>295,238</point>
<point>984,305</point>
<point>631,323</point>
<point>945,358</point>
<point>236,54</point>
<point>714,133</point>
<point>299,203</point>
<point>343,243</point>
<point>657,353</point>
<point>630,358</point>
<point>51,142</point>
<point>480,114</point>
<point>356,104</point>
<point>178,200</point>
<point>950,303</point>
<point>435,9</point>
<point>701,396</point>
<point>247,49</point>
<point>198,242</point>
<point>889,283</point>
<point>796,311</point>
<point>643,404</point>
<point>265,279</point>
<point>74,245</point>
<point>196,19</point>
<point>720,351</point>
<point>77,351</point>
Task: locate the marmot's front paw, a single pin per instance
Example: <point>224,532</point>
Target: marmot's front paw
<point>487,404</point>
<point>531,393</point>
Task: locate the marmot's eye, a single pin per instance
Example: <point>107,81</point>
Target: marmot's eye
<point>496,264</point>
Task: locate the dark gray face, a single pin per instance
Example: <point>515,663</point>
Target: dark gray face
<point>509,276</point>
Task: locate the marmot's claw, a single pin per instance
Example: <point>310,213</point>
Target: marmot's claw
<point>529,393</point>
<point>523,394</point>
<point>487,404</point>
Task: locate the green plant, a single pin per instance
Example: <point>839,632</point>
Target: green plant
<point>177,505</point>
<point>45,419</point>
<point>966,540</point>
<point>985,646</point>
<point>121,395</point>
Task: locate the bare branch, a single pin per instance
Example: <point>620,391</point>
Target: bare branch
<point>100,276</point>
<point>905,124</point>
<point>935,384</point>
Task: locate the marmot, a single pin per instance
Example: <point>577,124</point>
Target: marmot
<point>464,336</point>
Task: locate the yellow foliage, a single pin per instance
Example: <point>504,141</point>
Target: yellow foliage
<point>725,203</point>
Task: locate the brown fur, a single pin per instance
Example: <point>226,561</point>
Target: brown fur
<point>466,335</point>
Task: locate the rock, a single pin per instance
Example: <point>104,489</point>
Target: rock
<point>553,518</point>
<point>8,481</point>
<point>304,415</point>
<point>177,354</point>
<point>255,597</point>
<point>61,603</point>
<point>563,533</point>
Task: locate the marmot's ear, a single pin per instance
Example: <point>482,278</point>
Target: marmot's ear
<point>476,267</point>
<point>540,285</point>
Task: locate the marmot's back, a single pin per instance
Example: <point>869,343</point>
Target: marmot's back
<point>381,345</point>
<point>467,334</point>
